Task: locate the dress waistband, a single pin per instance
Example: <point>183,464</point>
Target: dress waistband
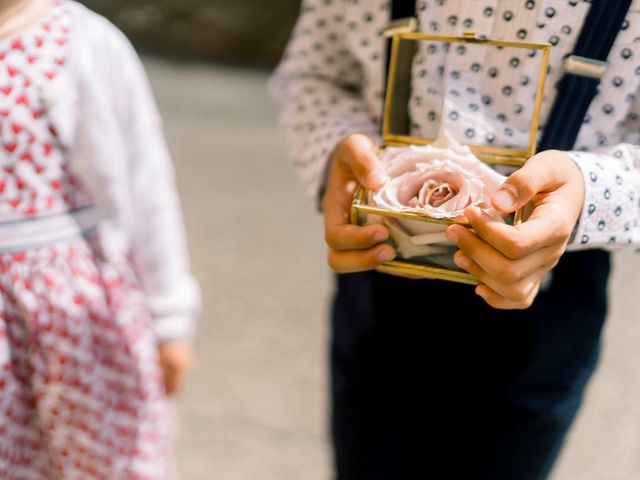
<point>28,233</point>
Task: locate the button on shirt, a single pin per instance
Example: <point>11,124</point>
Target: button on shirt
<point>330,83</point>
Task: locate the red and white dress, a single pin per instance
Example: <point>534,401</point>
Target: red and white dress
<point>81,395</point>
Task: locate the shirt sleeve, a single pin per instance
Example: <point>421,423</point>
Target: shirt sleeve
<point>158,243</point>
<point>318,86</point>
<point>610,217</point>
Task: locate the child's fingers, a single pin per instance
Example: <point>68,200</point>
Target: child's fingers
<point>353,237</point>
<point>349,261</point>
<point>175,361</point>
<point>173,377</point>
<point>497,301</point>
<point>172,382</point>
<point>517,242</point>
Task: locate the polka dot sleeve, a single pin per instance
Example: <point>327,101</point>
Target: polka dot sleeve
<point>317,85</point>
<point>610,217</point>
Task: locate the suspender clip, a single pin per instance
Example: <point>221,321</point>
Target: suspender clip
<point>585,67</point>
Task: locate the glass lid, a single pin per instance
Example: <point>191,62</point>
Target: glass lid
<point>483,93</point>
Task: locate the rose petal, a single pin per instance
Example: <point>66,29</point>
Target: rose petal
<point>445,169</point>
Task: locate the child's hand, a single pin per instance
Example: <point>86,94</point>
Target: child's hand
<point>176,359</point>
<point>353,248</point>
<point>510,261</point>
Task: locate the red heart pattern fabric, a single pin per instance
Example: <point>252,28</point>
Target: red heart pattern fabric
<point>81,392</point>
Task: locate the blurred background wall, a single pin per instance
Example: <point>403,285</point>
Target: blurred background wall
<point>244,32</point>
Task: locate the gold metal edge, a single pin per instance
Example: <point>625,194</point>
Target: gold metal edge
<point>359,198</point>
<point>407,139</point>
<point>483,41</point>
<point>538,103</point>
<point>518,216</point>
<point>423,271</point>
<point>363,208</point>
<point>486,153</point>
<point>391,83</point>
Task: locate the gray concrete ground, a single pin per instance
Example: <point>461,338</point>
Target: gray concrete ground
<point>255,406</point>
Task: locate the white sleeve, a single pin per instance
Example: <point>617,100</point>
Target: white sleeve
<point>158,244</point>
<point>610,217</point>
<point>318,86</point>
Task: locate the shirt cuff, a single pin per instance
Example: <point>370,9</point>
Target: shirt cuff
<point>609,213</point>
<point>174,328</point>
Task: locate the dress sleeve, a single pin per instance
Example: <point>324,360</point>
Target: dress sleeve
<point>318,86</point>
<point>610,217</point>
<point>158,244</point>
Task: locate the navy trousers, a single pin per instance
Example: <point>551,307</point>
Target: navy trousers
<point>427,378</point>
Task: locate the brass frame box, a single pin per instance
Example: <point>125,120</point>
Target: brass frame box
<point>396,113</point>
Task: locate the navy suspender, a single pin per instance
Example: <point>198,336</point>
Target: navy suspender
<point>404,9</point>
<point>578,89</point>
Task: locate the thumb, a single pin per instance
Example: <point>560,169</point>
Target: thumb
<point>361,157</point>
<point>519,189</point>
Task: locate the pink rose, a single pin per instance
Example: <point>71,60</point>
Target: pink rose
<point>439,180</point>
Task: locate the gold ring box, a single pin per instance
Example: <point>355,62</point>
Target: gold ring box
<point>466,62</point>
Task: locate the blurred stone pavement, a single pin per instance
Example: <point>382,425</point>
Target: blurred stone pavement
<point>255,406</point>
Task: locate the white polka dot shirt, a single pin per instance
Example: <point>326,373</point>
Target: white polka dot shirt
<point>330,83</point>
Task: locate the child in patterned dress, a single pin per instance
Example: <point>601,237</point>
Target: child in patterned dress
<point>96,300</point>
